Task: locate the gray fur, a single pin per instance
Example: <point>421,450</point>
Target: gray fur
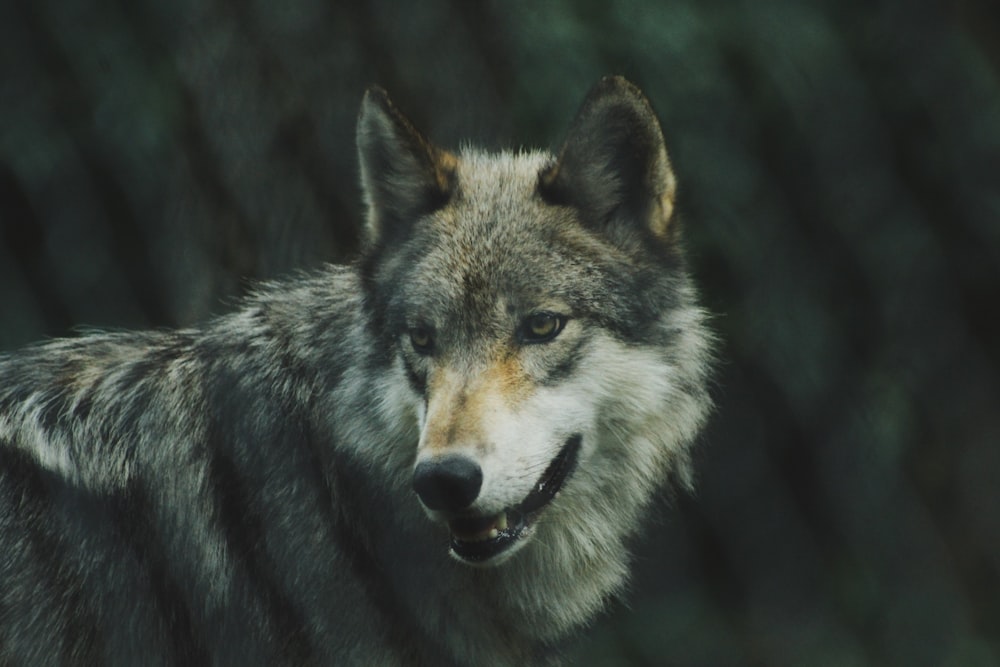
<point>241,493</point>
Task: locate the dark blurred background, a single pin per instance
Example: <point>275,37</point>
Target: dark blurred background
<point>839,165</point>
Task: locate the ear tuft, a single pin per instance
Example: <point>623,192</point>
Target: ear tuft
<point>403,175</point>
<point>613,167</point>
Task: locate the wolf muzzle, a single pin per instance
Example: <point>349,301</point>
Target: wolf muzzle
<point>451,484</point>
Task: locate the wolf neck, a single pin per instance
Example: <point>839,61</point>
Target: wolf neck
<point>517,613</point>
<point>513,613</point>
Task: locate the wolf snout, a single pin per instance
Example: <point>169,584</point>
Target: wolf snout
<point>449,483</point>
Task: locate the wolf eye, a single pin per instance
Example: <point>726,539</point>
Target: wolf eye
<point>421,339</point>
<point>541,327</point>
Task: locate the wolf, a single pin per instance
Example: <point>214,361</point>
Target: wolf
<point>436,455</point>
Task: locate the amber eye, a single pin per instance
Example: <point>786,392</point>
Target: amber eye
<point>421,339</point>
<point>541,327</point>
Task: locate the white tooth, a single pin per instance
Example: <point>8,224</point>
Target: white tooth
<point>502,522</point>
<point>494,533</point>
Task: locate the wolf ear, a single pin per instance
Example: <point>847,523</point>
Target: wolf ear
<point>403,175</point>
<point>614,167</point>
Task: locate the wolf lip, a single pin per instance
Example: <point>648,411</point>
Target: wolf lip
<point>477,539</point>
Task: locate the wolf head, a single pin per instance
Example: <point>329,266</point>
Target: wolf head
<point>542,313</point>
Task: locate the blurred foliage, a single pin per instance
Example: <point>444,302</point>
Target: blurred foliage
<point>839,166</point>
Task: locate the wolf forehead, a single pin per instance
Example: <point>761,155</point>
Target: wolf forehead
<point>498,250</point>
<point>497,234</point>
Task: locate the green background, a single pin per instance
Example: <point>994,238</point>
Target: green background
<point>839,165</point>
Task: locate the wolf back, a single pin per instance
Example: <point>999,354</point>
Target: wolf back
<point>436,455</point>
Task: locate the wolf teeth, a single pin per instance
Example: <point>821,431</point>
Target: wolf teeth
<point>491,532</point>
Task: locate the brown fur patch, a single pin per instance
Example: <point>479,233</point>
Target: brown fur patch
<point>445,168</point>
<point>460,407</point>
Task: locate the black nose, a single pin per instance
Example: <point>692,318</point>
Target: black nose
<point>448,483</point>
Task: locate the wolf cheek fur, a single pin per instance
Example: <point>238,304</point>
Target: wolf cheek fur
<point>433,457</point>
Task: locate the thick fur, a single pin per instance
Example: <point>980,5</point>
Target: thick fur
<point>242,493</point>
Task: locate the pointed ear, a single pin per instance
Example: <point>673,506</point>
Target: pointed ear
<point>614,167</point>
<point>403,175</point>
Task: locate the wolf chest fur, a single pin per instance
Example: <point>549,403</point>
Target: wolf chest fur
<point>436,455</point>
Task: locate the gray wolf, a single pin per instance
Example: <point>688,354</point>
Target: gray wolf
<point>434,456</point>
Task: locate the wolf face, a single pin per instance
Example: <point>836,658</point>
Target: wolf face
<point>541,310</point>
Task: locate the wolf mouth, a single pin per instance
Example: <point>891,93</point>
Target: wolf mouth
<point>477,539</point>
